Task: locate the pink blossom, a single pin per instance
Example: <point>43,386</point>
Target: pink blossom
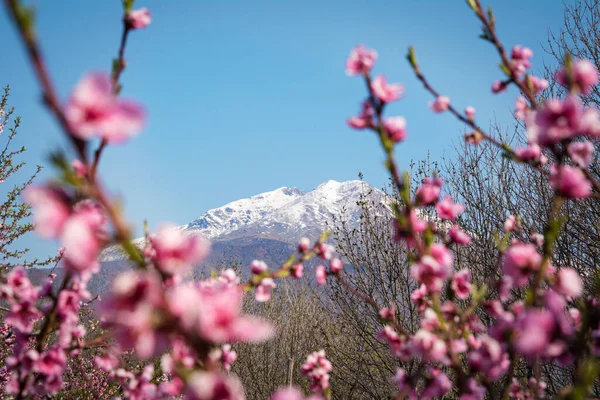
<point>532,152</point>
<point>263,291</point>
<point>440,104</point>
<point>258,267</point>
<point>470,113</point>
<point>429,192</point>
<point>297,271</point>
<point>321,274</point>
<point>317,368</point>
<point>569,283</point>
<point>50,209</point>
<point>336,265</point>
<point>489,358</point>
<point>384,91</point>
<point>499,86</point>
<point>519,261</point>
<point>430,272</point>
<point>437,386</point>
<point>81,240</point>
<point>228,356</point>
<point>402,381</point>
<point>395,128</point>
<point>556,120</point>
<point>458,236</point>
<point>449,210</point>
<point>362,121</point>
<point>79,168</point>
<point>290,393</point>
<point>430,346</point>
<point>580,76</point>
<point>140,18</point>
<point>219,318</point>
<point>520,59</point>
<point>51,362</point>
<point>569,182</point>
<point>510,224</point>
<point>538,84</point>
<point>388,313</point>
<point>521,107</point>
<point>177,251</point>
<point>533,332</point>
<point>303,245</point>
<point>461,284</point>
<point>581,152</point>
<point>361,60</point>
<point>93,109</point>
<point>205,385</point>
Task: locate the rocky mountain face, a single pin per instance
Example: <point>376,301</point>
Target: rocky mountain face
<point>266,226</point>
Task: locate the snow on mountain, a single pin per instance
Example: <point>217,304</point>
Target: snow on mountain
<point>232,216</point>
<point>284,214</point>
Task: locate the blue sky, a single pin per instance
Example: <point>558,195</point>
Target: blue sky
<point>248,96</point>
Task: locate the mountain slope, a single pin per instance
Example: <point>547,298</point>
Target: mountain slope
<point>283,215</point>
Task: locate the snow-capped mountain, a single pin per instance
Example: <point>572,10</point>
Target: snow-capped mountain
<point>283,215</point>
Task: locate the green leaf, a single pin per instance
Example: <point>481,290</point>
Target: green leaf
<point>473,5</point>
<point>504,68</point>
<point>491,17</point>
<point>411,57</point>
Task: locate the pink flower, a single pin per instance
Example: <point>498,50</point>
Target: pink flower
<point>82,244</point>
<point>140,18</point>
<point>429,192</point>
<point>258,267</point>
<point>520,59</point>
<point>510,224</point>
<point>336,265</point>
<point>569,283</point>
<point>521,107</point>
<point>51,362</point>
<point>317,368</point>
<point>219,318</point>
<point>228,356</point>
<point>93,110</point>
<point>569,182</point>
<point>440,104</point>
<point>205,385</point>
<point>538,84</point>
<point>321,274</point>
<point>532,152</point>
<point>430,346</point>
<point>303,245</point>
<point>499,86</point>
<point>457,236</point>
<point>50,209</point>
<point>362,121</point>
<point>461,284</point>
<point>361,60</point>
<point>395,128</point>
<point>298,271</point>
<point>519,261</point>
<point>470,113</point>
<point>556,121</point>
<point>177,251</point>
<point>437,386</point>
<point>447,209</point>
<point>430,272</point>
<point>384,91</point>
<point>79,168</point>
<point>581,76</point>
<point>533,332</point>
<point>489,358</point>
<point>581,153</point>
<point>263,291</point>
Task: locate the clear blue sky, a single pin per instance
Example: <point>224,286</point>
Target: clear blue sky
<point>248,96</point>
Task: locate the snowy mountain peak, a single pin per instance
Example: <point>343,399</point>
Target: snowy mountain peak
<point>284,214</point>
